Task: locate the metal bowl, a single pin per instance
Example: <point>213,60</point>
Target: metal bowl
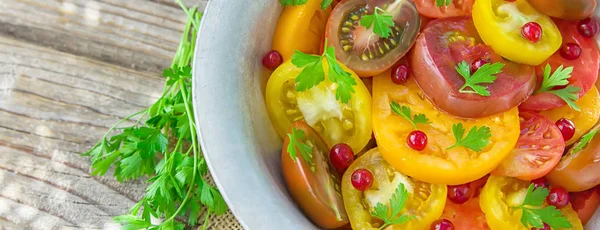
<point>239,142</point>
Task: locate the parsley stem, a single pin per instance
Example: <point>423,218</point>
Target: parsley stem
<point>206,219</point>
<point>121,121</point>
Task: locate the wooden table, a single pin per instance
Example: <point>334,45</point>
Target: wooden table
<point>69,69</point>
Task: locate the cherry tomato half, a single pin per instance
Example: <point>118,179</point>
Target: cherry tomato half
<point>425,201</point>
<point>567,9</point>
<point>538,149</point>
<point>446,42</point>
<point>315,188</point>
<point>585,203</point>
<point>359,48</point>
<point>457,8</point>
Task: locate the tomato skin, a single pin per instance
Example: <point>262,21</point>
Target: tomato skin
<point>493,17</point>
<point>538,150</point>
<point>585,68</point>
<point>578,171</point>
<point>466,216</point>
<point>455,9</point>
<point>585,203</point>
<point>437,76</point>
<point>307,187</point>
<point>566,9</point>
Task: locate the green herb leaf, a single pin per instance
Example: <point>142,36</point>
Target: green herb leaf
<point>585,140</point>
<point>475,140</point>
<point>389,215</point>
<point>439,3</point>
<point>381,21</point>
<point>296,144</point>
<point>559,78</point>
<point>325,4</point>
<point>292,2</point>
<point>485,74</point>
<point>404,112</point>
<point>535,216</point>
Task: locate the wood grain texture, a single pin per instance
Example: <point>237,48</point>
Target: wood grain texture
<point>69,69</point>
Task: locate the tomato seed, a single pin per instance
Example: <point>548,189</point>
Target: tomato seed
<point>532,31</point>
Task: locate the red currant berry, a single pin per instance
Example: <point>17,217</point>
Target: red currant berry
<point>540,183</point>
<point>566,127</point>
<point>272,60</point>
<point>532,31</point>
<point>558,197</point>
<point>442,224</point>
<point>478,64</point>
<point>546,227</point>
<point>587,27</point>
<point>570,51</point>
<point>362,179</point>
<point>341,157</point>
<point>417,140</point>
<point>400,74</point>
<point>459,194</point>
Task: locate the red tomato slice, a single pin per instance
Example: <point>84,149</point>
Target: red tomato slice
<point>446,42</point>
<point>429,8</point>
<point>465,216</point>
<point>538,150</point>
<point>585,203</point>
<point>585,68</point>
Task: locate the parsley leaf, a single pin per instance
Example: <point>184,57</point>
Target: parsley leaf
<point>325,4</point>
<point>475,140</point>
<point>485,74</point>
<point>292,2</point>
<point>313,73</point>
<point>404,112</point>
<point>560,77</point>
<point>389,215</point>
<point>381,21</point>
<point>585,140</point>
<point>439,3</point>
<point>535,216</point>
<point>296,144</point>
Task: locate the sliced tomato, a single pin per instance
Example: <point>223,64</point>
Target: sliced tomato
<point>358,47</point>
<point>499,23</point>
<point>314,187</point>
<point>456,8</point>
<point>566,9</point>
<point>585,203</point>
<point>425,201</point>
<point>501,194</point>
<point>335,121</point>
<point>446,42</point>
<point>538,149</point>
<point>465,216</point>
<point>585,68</point>
<point>436,164</point>
<point>579,170</point>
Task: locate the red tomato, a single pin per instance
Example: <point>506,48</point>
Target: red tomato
<point>538,150</point>
<point>585,68</point>
<point>585,203</point>
<point>446,42</point>
<point>429,8</point>
<point>359,48</point>
<point>465,216</point>
<point>567,9</point>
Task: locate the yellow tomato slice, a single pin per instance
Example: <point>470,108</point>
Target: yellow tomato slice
<point>300,28</point>
<point>585,119</point>
<point>335,121</point>
<point>499,24</point>
<point>435,164</point>
<point>425,201</point>
<point>500,194</point>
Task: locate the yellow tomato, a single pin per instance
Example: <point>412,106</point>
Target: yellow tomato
<point>499,24</point>
<point>335,121</point>
<point>435,164</point>
<point>425,201</point>
<point>300,28</point>
<point>585,119</point>
<point>501,194</point>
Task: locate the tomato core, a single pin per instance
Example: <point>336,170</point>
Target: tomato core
<point>459,194</point>
<point>566,127</point>
<point>570,51</point>
<point>362,179</point>
<point>272,60</point>
<point>540,183</point>
<point>341,157</point>
<point>400,74</point>
<point>546,227</point>
<point>587,27</point>
<point>558,197</point>
<point>532,31</point>
<point>417,140</point>
<point>442,224</point>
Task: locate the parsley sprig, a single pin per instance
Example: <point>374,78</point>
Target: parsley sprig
<point>560,78</point>
<point>297,144</point>
<point>381,21</point>
<point>485,74</point>
<point>404,112</point>
<point>439,3</point>
<point>535,216</point>
<point>389,215</point>
<point>585,140</point>
<point>313,73</point>
<point>475,140</point>
<point>324,3</point>
<point>164,148</point>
